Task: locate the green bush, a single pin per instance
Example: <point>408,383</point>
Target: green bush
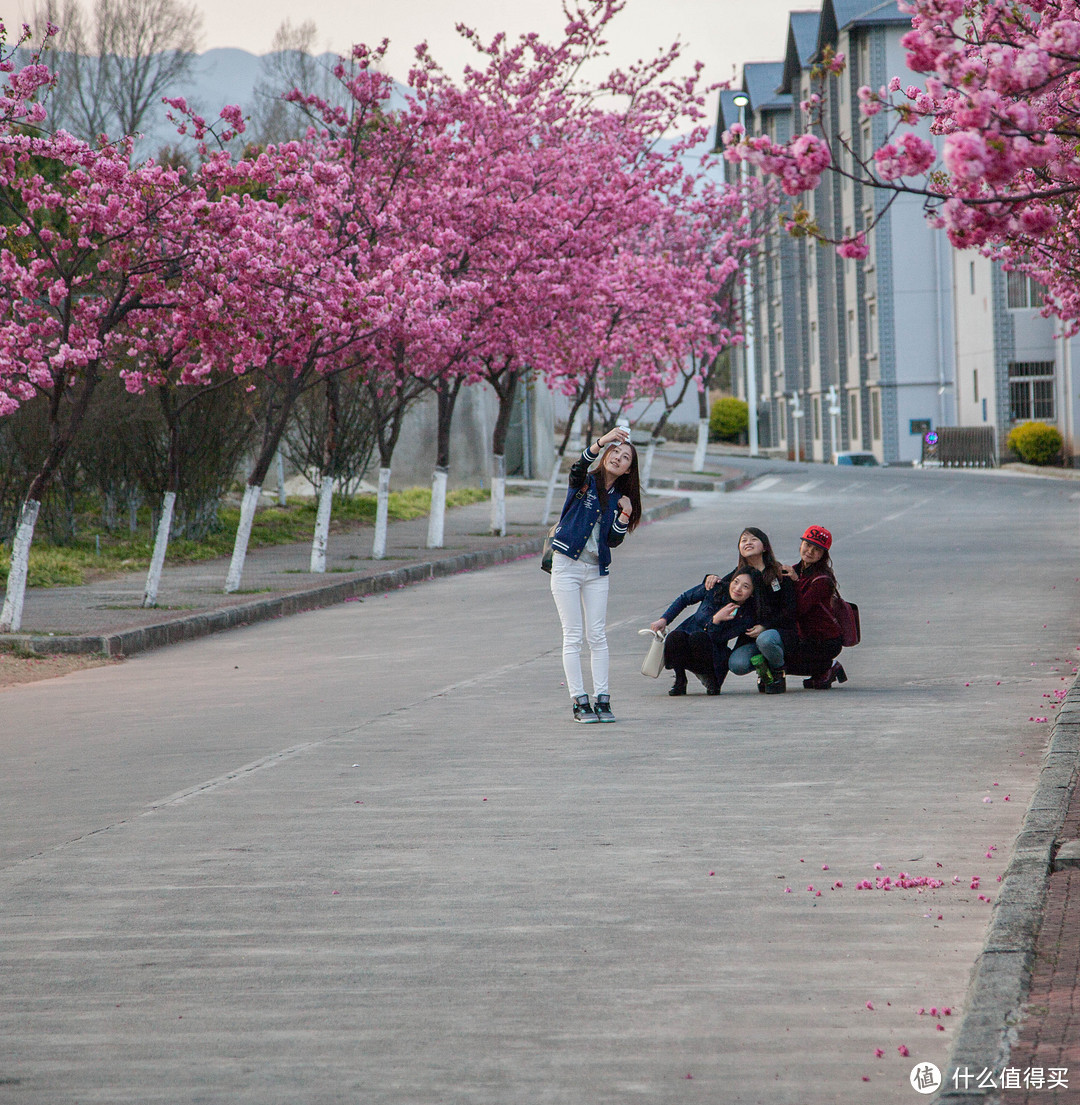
<point>728,418</point>
<point>1035,442</point>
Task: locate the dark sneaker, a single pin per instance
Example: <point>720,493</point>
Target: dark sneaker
<point>818,684</point>
<point>603,708</point>
<point>583,711</point>
<point>777,686</point>
<point>679,686</point>
<point>711,684</point>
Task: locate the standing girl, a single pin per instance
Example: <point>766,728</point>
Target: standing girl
<point>602,505</point>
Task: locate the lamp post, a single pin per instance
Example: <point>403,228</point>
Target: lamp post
<point>796,414</point>
<point>834,414</point>
<point>742,101</point>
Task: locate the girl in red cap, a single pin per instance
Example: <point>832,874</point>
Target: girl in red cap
<point>819,631</point>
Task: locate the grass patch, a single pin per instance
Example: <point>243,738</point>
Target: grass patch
<point>69,565</point>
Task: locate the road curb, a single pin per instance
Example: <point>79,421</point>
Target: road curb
<point>128,642</point>
<point>1001,977</point>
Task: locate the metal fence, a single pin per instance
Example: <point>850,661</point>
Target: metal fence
<point>960,447</point>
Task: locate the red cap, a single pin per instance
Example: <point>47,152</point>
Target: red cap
<point>820,536</point>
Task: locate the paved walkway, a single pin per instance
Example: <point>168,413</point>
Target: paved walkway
<point>107,615</point>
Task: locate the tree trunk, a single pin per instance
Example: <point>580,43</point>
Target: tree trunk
<point>506,391</point>
<point>702,444</point>
<point>326,485</point>
<point>646,468</point>
<point>553,479</point>
<point>437,517</point>
<point>498,495</point>
<point>322,525</point>
<point>11,615</point>
<point>243,536</point>
<point>382,512</point>
<point>161,545</point>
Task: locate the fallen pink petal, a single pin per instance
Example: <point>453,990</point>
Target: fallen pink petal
<point>903,1050</point>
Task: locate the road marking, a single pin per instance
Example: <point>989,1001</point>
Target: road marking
<point>851,487</point>
<point>899,513</point>
<point>764,483</point>
<point>809,486</point>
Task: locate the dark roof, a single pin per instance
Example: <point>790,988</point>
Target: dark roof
<point>839,14</point>
<point>802,40</point>
<point>761,79</point>
<point>727,114</point>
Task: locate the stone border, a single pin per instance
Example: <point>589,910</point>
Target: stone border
<point>141,639</point>
<point>1001,977</point>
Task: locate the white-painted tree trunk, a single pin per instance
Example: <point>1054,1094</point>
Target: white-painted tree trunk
<point>322,525</point>
<point>436,528</point>
<point>243,536</point>
<point>161,545</point>
<point>702,444</point>
<point>549,497</point>
<point>11,615</point>
<point>646,468</point>
<point>498,495</point>
<point>382,513</point>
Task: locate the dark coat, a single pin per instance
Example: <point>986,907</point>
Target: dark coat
<point>585,505</point>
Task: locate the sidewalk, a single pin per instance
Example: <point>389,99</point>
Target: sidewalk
<point>106,616</point>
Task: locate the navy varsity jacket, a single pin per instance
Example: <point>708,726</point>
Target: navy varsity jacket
<point>582,510</point>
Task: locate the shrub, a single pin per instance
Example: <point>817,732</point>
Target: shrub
<point>728,418</point>
<point>1035,442</point>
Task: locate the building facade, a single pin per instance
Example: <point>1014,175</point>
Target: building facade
<point>872,354</point>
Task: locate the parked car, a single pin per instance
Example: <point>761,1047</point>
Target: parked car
<point>862,460</point>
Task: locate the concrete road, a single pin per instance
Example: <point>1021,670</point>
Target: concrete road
<point>363,855</point>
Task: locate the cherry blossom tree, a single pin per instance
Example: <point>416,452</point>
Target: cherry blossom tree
<point>88,245</point>
<point>1002,96</point>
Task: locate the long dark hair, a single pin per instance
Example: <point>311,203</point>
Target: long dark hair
<point>753,603</point>
<point>628,484</point>
<point>821,567</point>
<point>771,571</point>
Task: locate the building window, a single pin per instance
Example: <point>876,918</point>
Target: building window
<point>813,343</point>
<point>817,419</point>
<point>851,333</point>
<point>875,415</point>
<point>975,385</point>
<point>1031,391</point>
<point>853,414</point>
<point>972,277</point>
<point>871,329</point>
<point>1023,291</point>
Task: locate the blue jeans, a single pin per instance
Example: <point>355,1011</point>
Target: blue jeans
<point>768,643</point>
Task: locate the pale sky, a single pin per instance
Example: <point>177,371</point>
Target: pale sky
<point>721,33</point>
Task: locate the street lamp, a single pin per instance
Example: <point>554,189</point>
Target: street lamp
<point>742,101</point>
<point>796,414</point>
<point>834,413</point>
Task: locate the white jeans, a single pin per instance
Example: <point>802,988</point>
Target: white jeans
<point>580,594</point>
